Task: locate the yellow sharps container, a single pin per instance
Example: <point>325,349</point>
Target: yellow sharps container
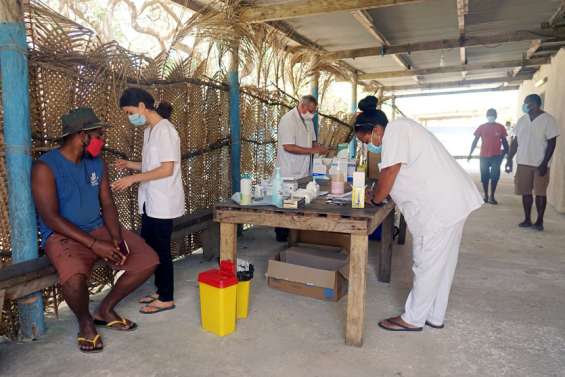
<point>218,289</point>
<point>243,288</point>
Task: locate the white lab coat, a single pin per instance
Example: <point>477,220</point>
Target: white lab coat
<point>436,196</point>
<point>294,130</point>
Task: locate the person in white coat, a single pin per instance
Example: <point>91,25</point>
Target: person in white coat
<point>436,196</point>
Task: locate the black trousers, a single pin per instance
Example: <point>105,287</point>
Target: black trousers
<point>157,234</point>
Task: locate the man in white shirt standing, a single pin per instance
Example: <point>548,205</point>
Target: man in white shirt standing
<point>436,196</point>
<point>533,144</point>
<point>296,144</point>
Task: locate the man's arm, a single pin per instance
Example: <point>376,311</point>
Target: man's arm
<point>387,177</point>
<point>109,212</point>
<point>505,145</point>
<point>473,146</point>
<point>295,149</point>
<point>511,154</point>
<point>44,193</point>
<point>551,143</point>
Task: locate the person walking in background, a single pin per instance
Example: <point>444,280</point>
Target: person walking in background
<point>533,145</point>
<point>493,136</point>
<point>161,192</point>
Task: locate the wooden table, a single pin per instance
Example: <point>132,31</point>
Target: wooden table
<point>319,216</point>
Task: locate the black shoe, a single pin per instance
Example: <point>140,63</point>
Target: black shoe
<point>493,201</point>
<point>435,326</point>
<point>538,227</point>
<point>525,224</point>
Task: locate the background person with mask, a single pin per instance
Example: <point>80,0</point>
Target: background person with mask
<point>161,192</point>
<point>436,196</point>
<point>533,144</point>
<point>296,144</point>
<point>493,137</point>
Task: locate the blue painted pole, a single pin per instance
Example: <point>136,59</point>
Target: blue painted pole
<point>314,88</point>
<point>235,121</point>
<point>17,145</point>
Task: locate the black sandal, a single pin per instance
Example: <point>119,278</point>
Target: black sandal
<point>395,323</point>
<point>434,326</point>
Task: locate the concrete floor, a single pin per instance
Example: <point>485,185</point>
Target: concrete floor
<point>506,318</point>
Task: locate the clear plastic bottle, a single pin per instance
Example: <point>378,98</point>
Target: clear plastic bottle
<point>277,185</point>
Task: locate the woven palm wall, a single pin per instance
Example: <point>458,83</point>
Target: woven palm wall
<point>69,67</point>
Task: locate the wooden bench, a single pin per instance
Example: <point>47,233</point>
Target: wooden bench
<point>200,221</point>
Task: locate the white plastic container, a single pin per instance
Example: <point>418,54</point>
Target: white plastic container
<point>246,190</point>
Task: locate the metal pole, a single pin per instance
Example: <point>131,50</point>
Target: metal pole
<point>314,90</point>
<point>354,87</point>
<point>235,120</point>
<point>17,145</point>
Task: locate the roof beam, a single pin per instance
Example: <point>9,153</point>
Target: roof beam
<point>458,84</point>
<point>365,19</point>
<point>443,44</point>
<point>484,90</point>
<point>462,10</point>
<point>559,16</point>
<point>272,12</point>
<point>456,68</point>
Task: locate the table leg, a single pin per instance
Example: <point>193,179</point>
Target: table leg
<point>228,242</point>
<point>293,237</point>
<point>402,230</point>
<point>385,254</point>
<point>356,292</point>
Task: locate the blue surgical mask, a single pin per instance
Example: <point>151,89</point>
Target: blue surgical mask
<point>526,108</point>
<point>137,120</point>
<point>491,119</point>
<point>374,148</point>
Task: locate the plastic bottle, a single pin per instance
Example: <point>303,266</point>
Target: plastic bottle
<point>277,183</point>
<point>358,191</point>
<point>246,192</point>
<point>361,158</point>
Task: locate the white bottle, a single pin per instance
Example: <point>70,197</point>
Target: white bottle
<point>358,192</point>
<point>246,193</point>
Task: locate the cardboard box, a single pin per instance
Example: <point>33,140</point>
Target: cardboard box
<point>306,271</point>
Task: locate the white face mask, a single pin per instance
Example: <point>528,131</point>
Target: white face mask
<point>308,116</point>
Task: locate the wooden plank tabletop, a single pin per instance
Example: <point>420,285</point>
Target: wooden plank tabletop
<point>317,207</point>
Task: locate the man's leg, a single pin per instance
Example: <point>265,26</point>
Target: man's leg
<point>485,176</point>
<point>541,203</point>
<point>126,284</point>
<point>75,293</point>
<point>494,177</point>
<point>527,202</point>
<point>437,313</point>
<point>430,263</point>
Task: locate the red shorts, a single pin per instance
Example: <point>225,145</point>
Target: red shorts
<point>70,257</point>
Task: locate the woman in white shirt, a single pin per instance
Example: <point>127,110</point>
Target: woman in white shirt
<point>160,193</point>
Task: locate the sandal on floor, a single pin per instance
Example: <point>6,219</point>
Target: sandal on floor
<point>127,325</point>
<point>92,341</point>
<point>157,309</point>
<point>148,299</point>
<point>434,326</point>
<point>395,323</point>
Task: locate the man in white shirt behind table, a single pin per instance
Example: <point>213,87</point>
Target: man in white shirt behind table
<point>296,144</point>
<point>436,196</point>
<point>533,144</point>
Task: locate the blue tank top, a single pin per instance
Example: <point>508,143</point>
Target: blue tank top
<point>78,189</point>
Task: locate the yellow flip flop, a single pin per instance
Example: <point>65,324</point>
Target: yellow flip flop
<point>112,325</point>
<point>93,341</point>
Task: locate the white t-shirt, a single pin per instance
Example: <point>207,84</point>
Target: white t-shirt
<point>294,130</point>
<point>431,190</point>
<point>532,138</point>
<point>163,198</point>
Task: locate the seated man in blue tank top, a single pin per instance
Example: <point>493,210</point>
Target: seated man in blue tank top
<point>79,226</point>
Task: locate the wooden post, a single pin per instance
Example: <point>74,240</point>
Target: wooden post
<point>354,88</point>
<point>235,120</point>
<point>385,254</point>
<point>356,290</point>
<point>314,90</point>
<point>17,146</point>
<point>228,242</point>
